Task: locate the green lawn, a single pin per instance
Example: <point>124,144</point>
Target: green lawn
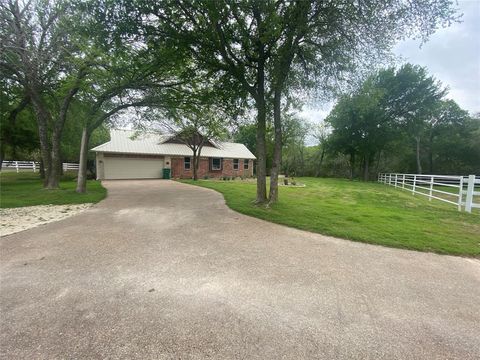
<point>367,212</point>
<point>25,189</point>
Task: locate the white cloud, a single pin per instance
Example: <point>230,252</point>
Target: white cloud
<point>452,55</point>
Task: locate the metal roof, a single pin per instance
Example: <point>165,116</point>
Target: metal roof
<point>126,142</point>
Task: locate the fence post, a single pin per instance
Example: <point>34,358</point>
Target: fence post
<point>396,176</point>
<point>460,194</point>
<point>16,165</point>
<point>414,184</point>
<point>469,198</point>
<point>431,189</point>
<point>33,165</point>
<point>403,181</point>
<point>390,179</point>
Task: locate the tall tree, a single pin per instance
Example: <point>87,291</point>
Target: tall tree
<point>41,52</point>
<point>259,44</point>
<point>413,99</point>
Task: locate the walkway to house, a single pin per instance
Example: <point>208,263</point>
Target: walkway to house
<point>162,269</point>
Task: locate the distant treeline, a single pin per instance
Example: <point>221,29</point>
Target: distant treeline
<point>398,120</point>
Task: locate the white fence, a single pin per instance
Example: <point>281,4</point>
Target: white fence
<point>462,191</point>
<point>33,166</point>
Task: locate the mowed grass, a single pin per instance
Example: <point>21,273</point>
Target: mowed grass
<point>25,189</point>
<point>367,212</point>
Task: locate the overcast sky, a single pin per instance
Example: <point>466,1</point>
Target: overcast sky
<point>452,55</point>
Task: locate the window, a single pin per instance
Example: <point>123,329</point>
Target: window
<point>216,164</point>
<point>245,164</point>
<point>235,164</point>
<point>186,163</point>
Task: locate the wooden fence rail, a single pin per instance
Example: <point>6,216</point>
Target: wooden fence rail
<point>462,191</point>
<point>33,165</point>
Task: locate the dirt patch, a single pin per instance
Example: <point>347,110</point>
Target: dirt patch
<point>18,219</point>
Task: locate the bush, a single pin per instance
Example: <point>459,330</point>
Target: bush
<point>285,181</point>
<point>205,177</point>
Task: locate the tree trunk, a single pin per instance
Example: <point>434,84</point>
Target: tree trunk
<point>277,150</point>
<point>352,166</point>
<point>53,176</point>
<point>42,169</point>
<point>82,166</point>
<point>430,153</point>
<point>419,163</point>
<point>261,134</point>
<point>195,165</point>
<point>378,161</point>
<point>45,153</point>
<point>43,118</point>
<point>2,154</point>
<point>366,168</point>
<point>317,173</point>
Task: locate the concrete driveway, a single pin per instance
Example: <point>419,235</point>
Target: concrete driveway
<point>163,270</point>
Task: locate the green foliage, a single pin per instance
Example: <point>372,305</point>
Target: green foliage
<point>25,189</point>
<point>365,212</point>
<point>398,120</point>
<point>246,134</point>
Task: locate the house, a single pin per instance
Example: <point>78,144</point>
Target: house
<point>127,156</point>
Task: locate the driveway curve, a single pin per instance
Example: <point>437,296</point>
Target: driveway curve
<point>163,270</point>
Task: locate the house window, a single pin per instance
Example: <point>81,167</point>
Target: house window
<point>186,163</point>
<point>235,164</point>
<point>216,164</point>
<point>245,164</point>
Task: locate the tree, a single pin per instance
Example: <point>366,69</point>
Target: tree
<point>361,124</point>
<point>17,126</point>
<point>328,40</point>
<point>450,141</point>
<point>413,98</point>
<point>141,82</point>
<point>321,133</point>
<point>195,129</point>
<point>43,54</point>
<point>392,107</point>
<point>246,134</point>
<point>257,44</point>
<point>294,133</point>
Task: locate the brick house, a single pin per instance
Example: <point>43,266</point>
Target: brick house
<point>127,156</point>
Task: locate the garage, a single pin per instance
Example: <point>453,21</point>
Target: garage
<point>132,168</point>
<point>145,155</point>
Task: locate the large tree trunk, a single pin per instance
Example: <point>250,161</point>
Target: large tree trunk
<point>419,163</point>
<point>195,165</point>
<point>42,117</point>
<point>261,134</point>
<point>277,150</point>
<point>261,156</point>
<point>82,166</point>
<point>53,176</point>
<point>42,169</point>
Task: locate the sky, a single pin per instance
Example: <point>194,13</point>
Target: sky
<point>452,55</point>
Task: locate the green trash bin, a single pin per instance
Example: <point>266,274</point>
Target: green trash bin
<point>166,173</point>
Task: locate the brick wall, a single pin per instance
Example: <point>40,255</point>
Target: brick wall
<point>178,170</point>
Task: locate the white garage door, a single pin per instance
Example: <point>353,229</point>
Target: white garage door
<point>132,168</point>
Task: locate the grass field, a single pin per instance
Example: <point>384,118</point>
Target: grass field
<point>25,189</point>
<point>367,212</point>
